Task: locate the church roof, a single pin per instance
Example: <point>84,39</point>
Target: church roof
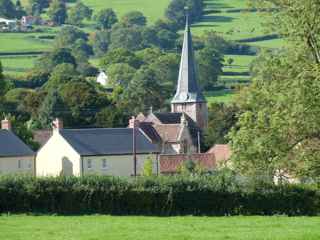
<point>187,89</point>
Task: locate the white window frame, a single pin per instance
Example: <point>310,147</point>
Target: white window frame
<point>104,164</point>
<point>89,164</point>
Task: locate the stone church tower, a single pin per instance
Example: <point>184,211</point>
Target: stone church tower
<point>188,98</point>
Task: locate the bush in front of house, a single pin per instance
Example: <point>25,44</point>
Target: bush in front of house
<point>217,195</point>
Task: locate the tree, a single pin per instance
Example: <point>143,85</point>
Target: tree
<point>78,13</point>
<point>68,35</point>
<point>61,74</point>
<point>35,7</point>
<point>120,74</point>
<point>210,66</point>
<point>176,11</point>
<point>144,91</point>
<point>222,118</point>
<point>126,37</point>
<point>81,47</point>
<point>167,39</point>
<point>57,12</point>
<point>51,108</point>
<point>105,18</point>
<point>134,18</point>
<point>2,82</point>
<point>7,9</point>
<point>120,55</point>
<point>100,42</point>
<point>48,61</point>
<point>278,130</point>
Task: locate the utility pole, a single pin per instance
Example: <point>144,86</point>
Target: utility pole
<point>199,142</point>
<point>134,140</point>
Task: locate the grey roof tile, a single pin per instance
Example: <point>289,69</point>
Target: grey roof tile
<point>12,146</point>
<point>107,141</point>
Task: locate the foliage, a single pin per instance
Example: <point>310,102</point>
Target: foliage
<point>50,109</point>
<point>105,18</point>
<point>144,91</point>
<point>7,9</point>
<point>68,35</point>
<point>220,194</point>
<point>57,12</point>
<point>100,41</point>
<point>210,67</point>
<point>120,74</point>
<point>222,118</point>
<point>147,168</point>
<point>78,13</point>
<point>127,37</point>
<point>278,131</point>
<point>134,18</point>
<point>120,55</point>
<point>176,11</point>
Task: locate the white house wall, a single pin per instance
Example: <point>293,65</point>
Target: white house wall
<point>117,165</point>
<point>55,154</point>
<point>17,165</point>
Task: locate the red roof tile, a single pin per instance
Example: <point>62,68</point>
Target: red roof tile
<point>170,163</point>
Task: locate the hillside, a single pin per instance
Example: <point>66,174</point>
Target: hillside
<point>230,18</point>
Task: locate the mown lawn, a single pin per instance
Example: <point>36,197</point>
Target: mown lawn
<point>158,228</point>
<point>225,96</point>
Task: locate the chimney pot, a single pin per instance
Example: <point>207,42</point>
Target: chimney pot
<point>57,124</point>
<point>6,124</point>
<point>134,123</point>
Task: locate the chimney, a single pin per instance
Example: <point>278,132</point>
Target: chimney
<point>6,124</point>
<point>57,124</point>
<point>183,120</point>
<point>133,122</point>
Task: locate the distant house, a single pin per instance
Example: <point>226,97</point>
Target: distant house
<point>28,21</point>
<point>102,78</point>
<point>15,156</point>
<point>175,133</point>
<point>170,164</point>
<point>7,24</point>
<point>222,153</point>
<point>102,151</point>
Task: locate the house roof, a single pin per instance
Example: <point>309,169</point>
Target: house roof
<point>107,141</point>
<point>150,131</point>
<point>169,132</point>
<point>222,152</point>
<point>170,163</point>
<point>12,146</point>
<point>168,117</point>
<point>187,89</point>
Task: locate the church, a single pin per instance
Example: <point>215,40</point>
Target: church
<point>178,131</point>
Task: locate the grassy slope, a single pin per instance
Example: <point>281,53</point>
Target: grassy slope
<point>153,10</point>
<point>174,228</point>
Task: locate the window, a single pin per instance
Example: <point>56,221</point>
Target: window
<point>89,164</point>
<point>104,164</point>
<point>19,164</point>
<point>29,166</point>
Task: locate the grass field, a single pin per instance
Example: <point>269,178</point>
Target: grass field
<point>153,228</point>
<point>225,96</point>
<point>17,64</point>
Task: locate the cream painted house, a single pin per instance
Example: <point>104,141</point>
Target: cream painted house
<point>100,151</point>
<point>15,156</point>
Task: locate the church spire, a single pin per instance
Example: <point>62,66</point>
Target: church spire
<point>187,89</point>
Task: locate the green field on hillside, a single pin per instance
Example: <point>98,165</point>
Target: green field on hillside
<point>158,228</point>
<point>23,42</point>
<point>17,64</point>
<point>153,10</point>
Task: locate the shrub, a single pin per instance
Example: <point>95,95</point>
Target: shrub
<point>218,194</point>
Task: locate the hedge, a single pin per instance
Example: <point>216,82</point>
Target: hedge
<point>163,196</point>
